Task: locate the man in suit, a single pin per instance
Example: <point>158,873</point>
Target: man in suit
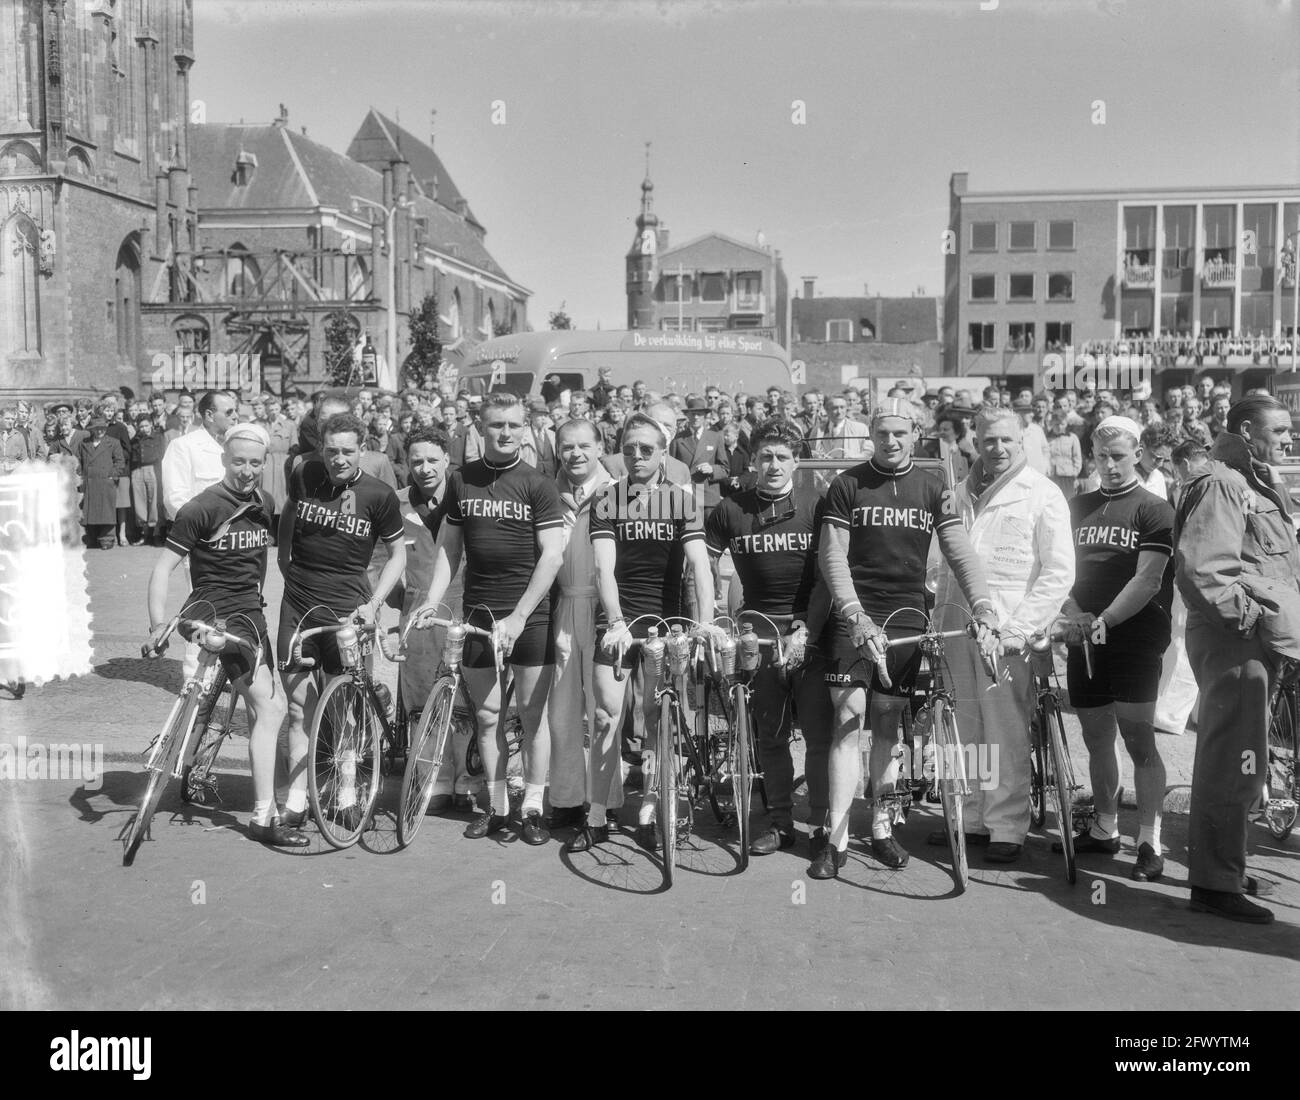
<point>843,436</point>
<point>537,447</point>
<point>699,447</point>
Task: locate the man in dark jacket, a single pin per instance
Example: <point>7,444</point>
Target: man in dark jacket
<point>1237,563</point>
<point>700,448</point>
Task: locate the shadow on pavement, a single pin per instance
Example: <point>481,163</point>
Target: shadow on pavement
<point>163,673</point>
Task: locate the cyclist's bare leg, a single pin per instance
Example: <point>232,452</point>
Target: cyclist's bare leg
<point>532,684</point>
<point>850,706</point>
<point>300,695</point>
<point>1100,737</point>
<point>1136,727</point>
<point>643,696</point>
<point>886,714</point>
<point>265,708</point>
<point>603,770</point>
<point>484,687</point>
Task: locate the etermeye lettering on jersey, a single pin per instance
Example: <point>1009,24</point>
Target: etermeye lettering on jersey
<point>786,542</point>
<point>876,515</point>
<point>662,531</point>
<point>1125,538</point>
<point>240,540</point>
<point>311,512</point>
<point>482,508</point>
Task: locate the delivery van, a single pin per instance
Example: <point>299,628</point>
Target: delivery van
<point>533,364</point>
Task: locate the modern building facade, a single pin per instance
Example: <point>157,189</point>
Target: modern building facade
<point>1201,277</point>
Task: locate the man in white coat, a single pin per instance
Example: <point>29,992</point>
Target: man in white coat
<point>1019,525</point>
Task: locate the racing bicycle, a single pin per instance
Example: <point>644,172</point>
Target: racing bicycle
<point>1282,796</point>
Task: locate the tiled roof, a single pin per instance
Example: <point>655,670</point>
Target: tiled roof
<point>714,252</point>
<point>380,140</point>
<point>894,320</point>
<point>295,172</point>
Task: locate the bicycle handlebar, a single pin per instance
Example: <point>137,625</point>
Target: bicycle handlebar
<point>204,632</point>
<point>497,655</point>
<point>296,662</point>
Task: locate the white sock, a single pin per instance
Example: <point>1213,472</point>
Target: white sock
<point>498,799</point>
<point>264,812</point>
<point>297,800</point>
<point>1106,827</point>
<point>838,833</point>
<point>534,795</point>
<point>596,815</point>
<point>1150,834</point>
<point>880,827</point>
<point>645,814</point>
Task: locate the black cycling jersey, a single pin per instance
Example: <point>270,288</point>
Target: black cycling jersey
<point>226,536</point>
<point>773,544</point>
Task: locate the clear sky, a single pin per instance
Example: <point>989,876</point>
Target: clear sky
<point>897,95</point>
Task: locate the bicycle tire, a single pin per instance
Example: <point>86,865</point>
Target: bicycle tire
<point>707,779</point>
<point>179,719</point>
<point>1059,781</point>
<point>1037,780</point>
<point>666,784</point>
<point>742,779</point>
<point>343,724</point>
<point>197,783</point>
<point>1283,776</point>
<point>425,757</point>
<point>948,759</point>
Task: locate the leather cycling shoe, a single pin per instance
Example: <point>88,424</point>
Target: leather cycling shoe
<point>939,838</point>
<point>587,836</point>
<point>1150,864</point>
<point>1231,906</point>
<point>611,819</point>
<point>1257,887</point>
<point>771,839</point>
<point>1002,851</point>
<point>816,842</point>
<point>889,852</point>
<point>1086,842</point>
<point>295,819</point>
<point>647,837</point>
<point>534,832</point>
<point>278,834</point>
<point>827,863</point>
<point>567,817</point>
<point>485,824</point>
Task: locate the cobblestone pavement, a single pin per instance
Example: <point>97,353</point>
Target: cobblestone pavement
<point>206,918</point>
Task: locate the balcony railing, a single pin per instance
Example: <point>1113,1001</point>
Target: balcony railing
<point>1139,276</point>
<point>1219,274</point>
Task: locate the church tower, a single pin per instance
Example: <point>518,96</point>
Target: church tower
<point>641,258</point>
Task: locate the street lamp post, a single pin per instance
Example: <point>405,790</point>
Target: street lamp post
<point>388,213</point>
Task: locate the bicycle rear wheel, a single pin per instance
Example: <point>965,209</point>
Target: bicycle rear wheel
<point>161,766</point>
<point>343,762</point>
<point>742,778</point>
<point>1283,794</point>
<point>1059,778</point>
<point>1037,773</point>
<point>951,768</point>
<point>666,761</point>
<point>424,759</point>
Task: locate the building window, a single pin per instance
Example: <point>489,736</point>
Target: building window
<point>713,287</point>
<point>669,288</point>
<point>749,291</point>
<point>1176,314</point>
<point>1258,235</point>
<point>192,334</point>
<point>676,324</point>
<point>980,337</point>
<point>20,281</point>
<point>1021,288</point>
<point>866,330</point>
<point>983,288</point>
<point>1139,228</point>
<point>984,236</point>
<point>1257,314</point>
<point>242,274</point>
<point>1060,287</point>
<point>711,324</point>
<point>1058,335</point>
<point>839,331</point>
<point>1020,336</point>
<point>18,158</point>
<point>1180,232</point>
<point>1022,236</point>
<point>453,320</point>
<point>1060,235</point>
<point>126,301</point>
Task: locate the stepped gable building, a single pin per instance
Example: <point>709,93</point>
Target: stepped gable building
<point>97,204</point>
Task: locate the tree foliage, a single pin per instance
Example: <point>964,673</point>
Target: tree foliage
<point>426,346</point>
<point>341,330</point>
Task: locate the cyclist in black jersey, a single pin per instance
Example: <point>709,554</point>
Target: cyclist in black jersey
<point>225,532</point>
<point>506,519</point>
<point>879,522</point>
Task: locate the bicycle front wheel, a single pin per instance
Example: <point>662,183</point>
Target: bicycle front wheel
<point>216,712</point>
<point>952,788</point>
<point>424,759</point>
<point>1060,782</point>
<point>1283,792</point>
<point>742,778</point>
<point>343,762</point>
<point>666,757</point>
<point>161,766</point>
<point>1037,771</point>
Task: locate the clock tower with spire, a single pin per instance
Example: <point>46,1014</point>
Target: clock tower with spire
<point>641,258</point>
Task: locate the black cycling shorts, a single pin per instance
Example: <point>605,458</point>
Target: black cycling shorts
<point>533,648</point>
<point>323,648</point>
<point>251,626</point>
<point>846,667</point>
<point>1119,675</point>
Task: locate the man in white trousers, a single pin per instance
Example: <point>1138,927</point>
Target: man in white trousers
<point>1019,524</point>
<point>572,700</point>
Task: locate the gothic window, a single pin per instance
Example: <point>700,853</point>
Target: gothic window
<point>20,290</point>
<point>19,159</point>
<point>242,274</point>
<point>454,326</point>
<point>126,301</point>
<point>192,334</point>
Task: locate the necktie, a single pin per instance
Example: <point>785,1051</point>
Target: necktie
<point>577,494</point>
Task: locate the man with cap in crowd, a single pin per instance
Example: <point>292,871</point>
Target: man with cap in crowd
<point>537,447</point>
<point>698,447</point>
<point>102,465</point>
<point>35,439</point>
<point>603,390</point>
